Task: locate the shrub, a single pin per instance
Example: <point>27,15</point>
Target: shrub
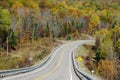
<point>68,38</point>
<point>106,69</point>
<point>42,54</point>
<point>117,46</point>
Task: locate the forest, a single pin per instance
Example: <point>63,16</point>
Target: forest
<point>23,21</point>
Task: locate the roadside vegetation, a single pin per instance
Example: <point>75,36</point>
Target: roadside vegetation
<point>107,55</point>
<point>33,27</point>
<point>28,54</point>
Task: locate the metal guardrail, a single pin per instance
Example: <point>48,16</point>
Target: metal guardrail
<point>80,73</point>
<point>11,72</point>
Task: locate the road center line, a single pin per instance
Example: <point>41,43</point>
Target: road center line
<point>51,71</point>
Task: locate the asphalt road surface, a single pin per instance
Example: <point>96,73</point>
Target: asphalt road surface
<point>59,67</point>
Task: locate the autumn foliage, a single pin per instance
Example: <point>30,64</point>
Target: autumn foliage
<point>23,21</point>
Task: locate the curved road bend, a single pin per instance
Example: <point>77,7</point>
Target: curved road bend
<point>59,67</point>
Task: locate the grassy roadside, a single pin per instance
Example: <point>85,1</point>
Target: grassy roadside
<point>27,54</point>
<point>83,58</point>
<point>82,52</point>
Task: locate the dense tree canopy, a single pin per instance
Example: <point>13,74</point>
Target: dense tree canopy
<point>30,19</point>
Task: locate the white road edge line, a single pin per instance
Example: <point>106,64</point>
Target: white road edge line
<point>70,63</point>
<point>70,69</point>
<point>71,77</point>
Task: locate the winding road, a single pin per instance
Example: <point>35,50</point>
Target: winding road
<point>59,67</point>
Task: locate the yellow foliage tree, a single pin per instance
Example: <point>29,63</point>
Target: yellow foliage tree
<point>106,44</point>
<point>106,15</point>
<point>33,5</point>
<point>73,11</point>
<point>17,5</point>
<point>117,46</point>
<point>94,21</point>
